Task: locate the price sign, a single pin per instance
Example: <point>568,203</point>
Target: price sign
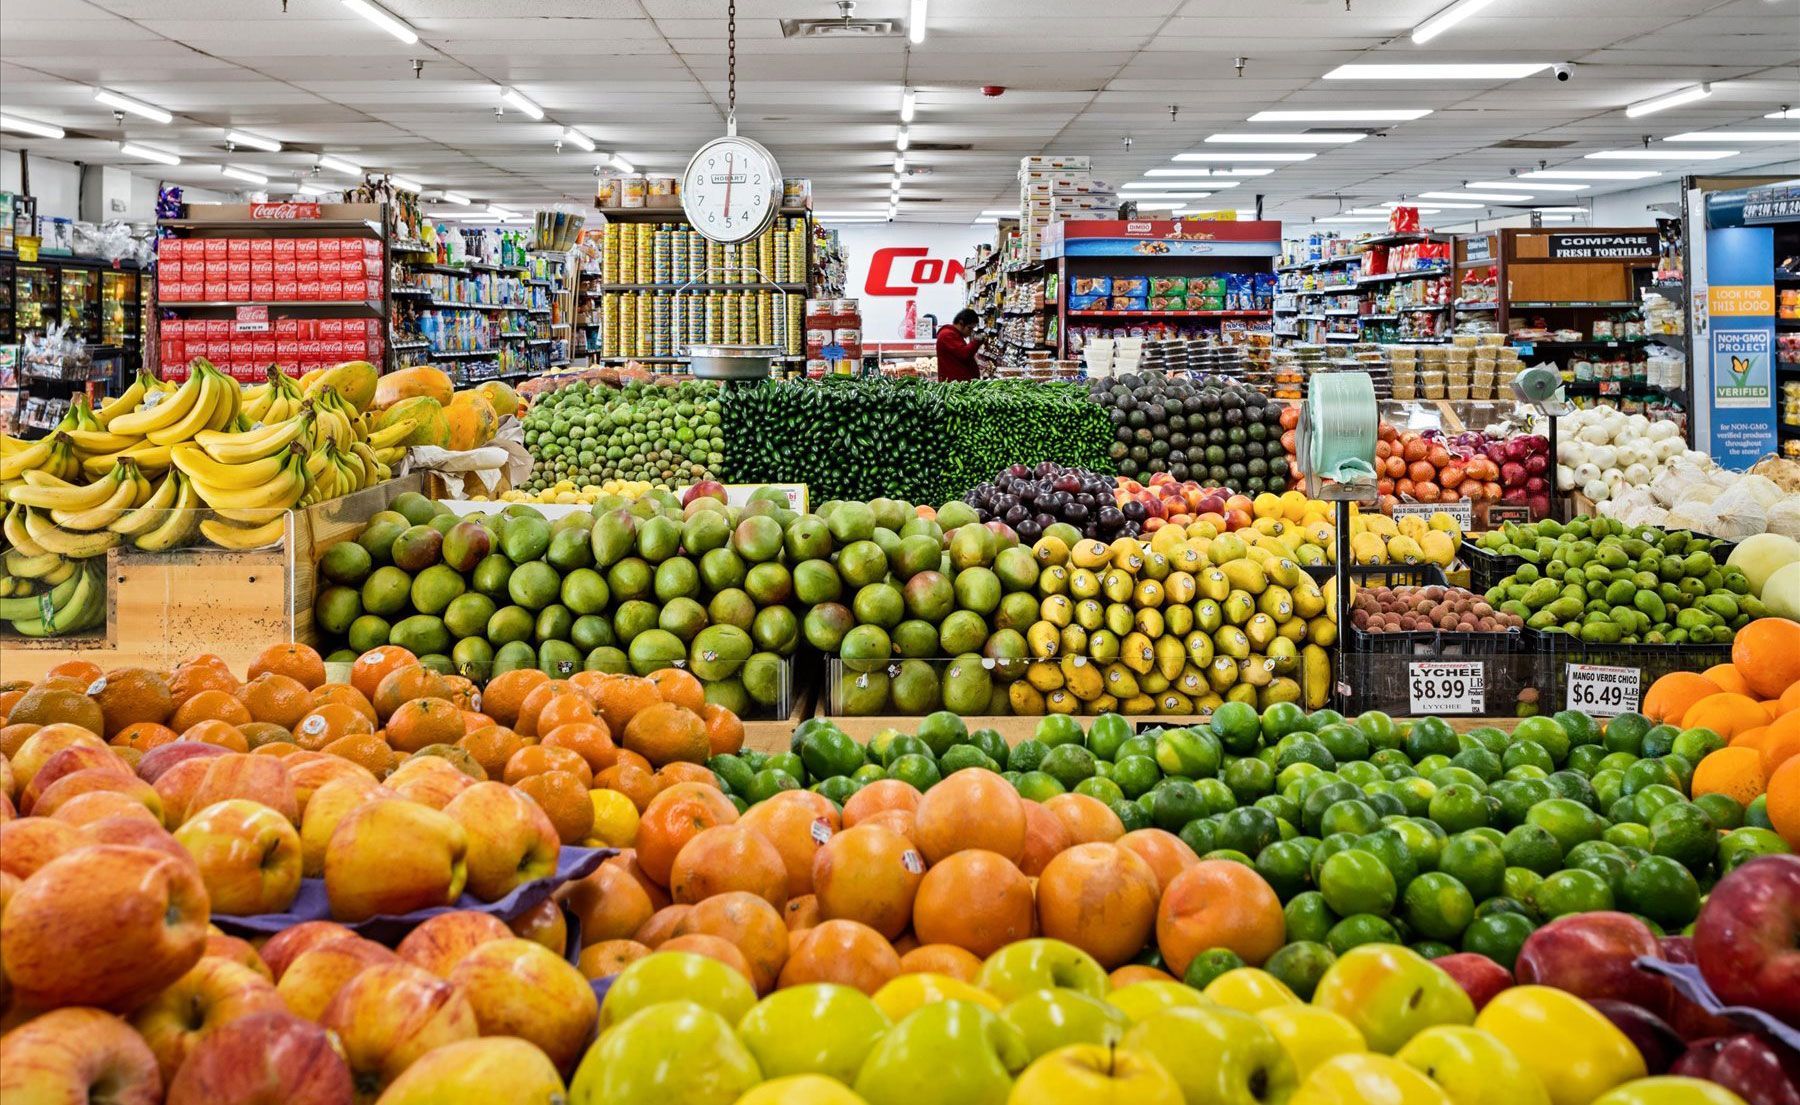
<point>1462,510</point>
<point>1606,691</point>
<point>1447,688</point>
<point>251,319</point>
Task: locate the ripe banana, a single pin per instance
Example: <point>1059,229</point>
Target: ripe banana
<point>144,517</point>
<point>91,442</point>
<point>231,400</point>
<point>125,496</point>
<point>18,457</point>
<point>199,417</point>
<point>13,526</point>
<point>20,566</point>
<point>230,477</point>
<point>281,491</point>
<point>390,436</point>
<point>228,536</point>
<point>32,606</point>
<point>80,545</point>
<point>179,524</point>
<point>62,495</point>
<point>270,440</point>
<point>172,408</point>
<point>124,402</point>
<point>152,460</point>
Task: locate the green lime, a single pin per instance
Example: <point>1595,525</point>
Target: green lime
<point>1281,806</point>
<point>1585,758</point>
<point>1532,847</point>
<point>1055,729</point>
<point>1360,772</point>
<point>1458,807</point>
<point>966,755</point>
<point>1231,854</point>
<point>1608,786</point>
<point>1135,775</point>
<point>1546,733</point>
<point>900,745</point>
<point>1282,718</point>
<point>1210,964</point>
<point>1363,928</point>
<point>1517,796</point>
<point>1581,729</point>
<point>1741,845</point>
<point>1438,906</point>
<point>1722,810</point>
<point>1628,834</point>
<point>1355,881</point>
<point>1344,742</point>
<point>1351,815</point>
<point>1307,917</point>
<point>1529,754</point>
<point>1106,734</point>
<point>1247,829</point>
<point>1422,840</point>
<point>1655,798</point>
<point>868,773</point>
<point>918,771</point>
<point>767,783</point>
<point>1684,771</point>
<point>1379,728</point>
<point>1321,798</point>
<point>1612,867</point>
<point>1481,763</point>
<point>1568,821</point>
<point>1038,786</point>
<point>1573,891</point>
<point>1499,936</point>
<point>828,753</point>
<point>838,788</point>
<point>1068,764</point>
<point>1175,803</point>
<point>1303,748</point>
<point>1215,796</point>
<point>1300,965</point>
<point>1131,815</point>
<point>942,729</point>
<point>1196,834</point>
<point>1249,778</point>
<point>1625,733</point>
<point>1104,789</point>
<point>1756,814</point>
<point>734,775</point>
<point>1284,865</point>
<point>1027,755</point>
<point>1452,775</point>
<point>1647,773</point>
<point>1693,745</point>
<point>992,744</point>
<point>1431,736</point>
<point>1190,752</point>
<point>1662,890</point>
<point>1684,834</point>
<point>1659,742</point>
<point>1476,862</point>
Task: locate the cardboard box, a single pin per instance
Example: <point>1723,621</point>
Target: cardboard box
<point>238,289</point>
<point>306,249</point>
<point>215,248</point>
<point>237,249</point>
<point>327,248</point>
<point>262,249</point>
<point>283,248</point>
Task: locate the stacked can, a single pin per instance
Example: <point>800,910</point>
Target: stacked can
<point>626,271</point>
<point>609,326</point>
<point>715,263</point>
<point>796,266</point>
<point>609,256</point>
<point>659,324</point>
<point>796,324</point>
<point>715,317</point>
<point>679,267</point>
<point>694,328</point>
<point>661,263</point>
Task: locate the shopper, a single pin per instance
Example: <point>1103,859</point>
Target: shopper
<point>956,349</point>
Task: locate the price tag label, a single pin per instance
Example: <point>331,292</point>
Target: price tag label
<point>1462,510</point>
<point>251,319</point>
<point>1605,691</point>
<point>1447,688</point>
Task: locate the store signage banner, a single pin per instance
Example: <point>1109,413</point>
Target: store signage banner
<point>1780,204</point>
<point>283,212</point>
<point>1163,238</point>
<point>1737,361</point>
<point>902,272</point>
<point>1478,249</point>
<point>1601,247</point>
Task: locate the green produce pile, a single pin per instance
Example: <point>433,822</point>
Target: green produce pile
<point>587,434</point>
<point>865,437</point>
<point>1369,829</point>
<point>1604,583</point>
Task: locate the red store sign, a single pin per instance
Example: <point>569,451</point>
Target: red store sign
<point>284,212</point>
<point>901,270</point>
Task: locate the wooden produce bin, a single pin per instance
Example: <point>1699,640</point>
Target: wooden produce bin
<point>164,608</point>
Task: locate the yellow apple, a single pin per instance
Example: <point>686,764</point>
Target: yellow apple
<point>249,856</point>
<point>440,942</point>
<point>241,775</point>
<point>392,856</point>
<point>511,839</point>
<point>316,975</point>
<point>71,1054</point>
<point>520,988</point>
<point>497,1070</point>
<point>1088,1074</point>
<point>215,992</point>
<point>390,1015</point>
<point>325,809</point>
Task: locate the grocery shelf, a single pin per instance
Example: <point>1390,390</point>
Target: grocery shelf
<point>281,227</point>
<point>446,355</point>
<point>1377,318</point>
<point>1574,303</point>
<point>1313,266</point>
<point>410,293</point>
<point>675,214</point>
<point>410,247</point>
<point>448,305</point>
<point>334,304</point>
<point>1602,343</point>
<point>1172,314</point>
<point>1389,277</point>
<point>596,290</point>
<point>1425,308</point>
<point>1478,306</point>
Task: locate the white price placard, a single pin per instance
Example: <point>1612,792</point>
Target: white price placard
<point>1458,687</point>
<point>1462,510</point>
<point>1598,689</point>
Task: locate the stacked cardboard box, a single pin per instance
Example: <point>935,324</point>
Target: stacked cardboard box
<point>1058,189</point>
<point>833,336</point>
<point>211,270</point>
<point>298,345</point>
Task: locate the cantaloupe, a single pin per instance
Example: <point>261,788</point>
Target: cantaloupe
<point>471,420</point>
<point>427,414</point>
<point>354,380</point>
<point>500,394</point>
<point>411,383</point>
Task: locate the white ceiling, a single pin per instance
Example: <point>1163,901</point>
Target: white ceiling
<point>646,78</point>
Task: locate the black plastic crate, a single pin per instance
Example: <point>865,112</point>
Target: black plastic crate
<point>1653,661</point>
<point>1375,668</point>
<point>1384,575</point>
<point>1487,568</point>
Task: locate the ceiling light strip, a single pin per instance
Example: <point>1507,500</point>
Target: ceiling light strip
<point>1446,19</point>
<point>1668,100</point>
<point>384,19</point>
<point>137,107</point>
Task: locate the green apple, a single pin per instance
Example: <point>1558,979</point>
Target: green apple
<point>1311,1035</point>
<point>1027,965</point>
<point>1391,994</point>
<point>1473,1067</point>
<point>1086,1074</point>
<point>1218,1056</point>
<point>1058,1017</point>
<point>677,976</point>
<point>1365,1078</point>
<point>1141,1000</point>
<point>901,996</point>
<point>951,1053</point>
<point>819,1028</point>
<point>676,1051</point>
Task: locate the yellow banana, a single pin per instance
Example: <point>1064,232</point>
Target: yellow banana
<point>64,496</point>
<point>122,403</point>
<point>244,537</point>
<point>92,442</point>
<point>211,473</point>
<point>268,441</point>
<point>122,499</point>
<point>170,410</point>
<point>12,524</point>
<point>281,491</point>
<point>152,460</point>
<point>61,572</point>
<point>145,517</point>
<point>389,436</point>
<point>257,398</point>
<point>18,457</point>
<point>199,417</point>
<point>231,399</point>
<point>181,522</point>
<point>33,567</point>
<point>79,545</point>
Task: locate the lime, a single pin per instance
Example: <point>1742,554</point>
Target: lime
<point>1585,758</point>
<point>1190,752</point>
<point>965,755</point>
<point>1684,771</point>
<point>1627,834</point>
<point>1526,771</point>
<point>1136,746</point>
<point>1344,742</point>
<point>1431,736</point>
<point>1360,772</point>
<point>991,743</point>
<point>1106,734</point>
<point>1662,890</point>
<point>1039,786</point>
<point>830,752</point>
<point>1215,796</point>
<point>1284,865</point>
<point>1573,891</point>
<point>1499,936</point>
<point>942,729</point>
<point>1439,907</point>
<point>1281,806</point>
<point>1350,815</point>
<point>1307,917</point>
<point>1568,821</point>
<point>903,745</point>
<point>1546,733</point>
<point>1476,862</point>
<point>1103,789</point>
<point>1210,964</point>
<point>1481,763</point>
<point>1389,846</point>
<point>1322,798</point>
<point>1379,728</point>
<point>1355,881</point>
<point>1027,755</point>
<point>1684,834</point>
<point>838,788</point>
<point>1299,966</point>
<point>1692,745</point>
<point>1247,829</point>
<point>918,771</point>
<point>767,783</point>
<point>1722,810</point>
<point>1450,774</point>
<point>1175,803</point>
<point>1230,854</point>
<point>1518,884</point>
<point>1384,799</point>
<point>1581,729</point>
<point>1363,928</point>
<point>1282,718</point>
<point>1196,834</point>
<point>1659,742</point>
<point>1415,794</point>
<point>1532,847</point>
<point>1135,775</point>
<point>1249,778</point>
<point>1608,786</point>
<point>1611,866</point>
<point>1131,815</point>
<point>1647,773</point>
<point>1655,798</point>
<point>1319,719</point>
<point>1055,729</point>
<point>1528,754</point>
<point>1517,796</point>
<point>1756,814</point>
<point>1068,764</point>
<point>868,773</point>
<point>1424,841</point>
<point>1741,845</point>
<point>1625,733</point>
<point>1572,785</point>
<point>733,773</point>
<point>1459,807</point>
<point>1428,765</point>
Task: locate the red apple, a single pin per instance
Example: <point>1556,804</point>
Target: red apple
<point>1747,937</point>
<point>1687,1017</point>
<point>392,857</point>
<point>140,834</point>
<point>429,781</point>
<point>98,805</point>
<point>1649,1033</point>
<point>214,992</point>
<point>316,976</point>
<point>249,856</point>
<point>1593,955</point>
<point>45,743</point>
<point>76,757</point>
<point>545,924</point>
<point>77,1055</point>
<point>287,945</point>
<point>317,769</point>
<point>240,775</point>
<point>511,839</point>
<point>326,808</point>
<point>238,950</point>
<point>440,942</point>
<point>28,843</point>
<point>108,925</point>
<point>1760,1071</point>
<point>1480,977</point>
<point>523,989</point>
<point>177,786</point>
<point>270,1058</point>
<point>74,785</point>
<point>164,756</point>
<point>390,1015</point>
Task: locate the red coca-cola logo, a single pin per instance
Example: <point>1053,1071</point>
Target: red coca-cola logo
<point>926,269</point>
<point>284,211</point>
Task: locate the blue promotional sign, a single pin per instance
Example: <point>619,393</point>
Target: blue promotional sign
<point>1739,367</point>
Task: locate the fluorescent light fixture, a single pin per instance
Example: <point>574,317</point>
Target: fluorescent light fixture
<point>252,141</point>
<point>621,164</point>
<point>1173,185</point>
<point>1556,218</point>
<point>306,189</point>
<point>339,165</point>
<point>902,139</point>
<point>518,100</point>
<point>1383,211</point>
<point>1208,172</point>
<point>1447,19</point>
<point>915,23</point>
<point>1659,155</point>
<point>499,212</point>
<point>1001,213</point>
<point>1535,186</point>
<point>1439,204</point>
<point>577,139</point>
<point>30,126</point>
<point>1784,113</point>
<point>984,220</point>
<point>1245,156</point>
<point>899,163</point>
<point>239,173</point>
<point>457,198</point>
<point>1668,100</point>
<point>1562,210</point>
<point>148,153</point>
<point>1480,71</point>
<point>404,184</point>
<point>1737,136</point>
<point>1162,206</point>
<point>1345,115</point>
<point>1590,174</point>
<point>136,107</point>
<point>384,19</point>
<point>909,102</point>
<point>846,214</point>
<point>1474,196</point>
<point>1325,138</point>
<point>1352,219</point>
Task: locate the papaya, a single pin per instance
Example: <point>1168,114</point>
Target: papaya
<point>430,427</point>
<point>501,396</point>
<point>354,380</point>
<point>411,383</point>
<point>471,420</point>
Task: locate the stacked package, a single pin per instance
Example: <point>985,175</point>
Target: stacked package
<point>1058,189</point>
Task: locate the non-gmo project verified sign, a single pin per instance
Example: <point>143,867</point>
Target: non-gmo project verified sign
<point>1601,247</point>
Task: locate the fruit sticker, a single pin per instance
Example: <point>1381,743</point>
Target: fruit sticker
<point>912,861</point>
<point>820,831</point>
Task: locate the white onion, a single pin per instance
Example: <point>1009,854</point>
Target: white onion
<point>1565,478</point>
<point>1637,475</point>
<point>1596,489</point>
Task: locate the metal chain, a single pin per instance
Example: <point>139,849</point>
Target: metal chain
<point>731,66</point>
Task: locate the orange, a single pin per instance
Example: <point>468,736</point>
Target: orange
<point>1167,854</point>
<point>301,663</point>
<point>712,947</point>
<point>1750,738</point>
<point>661,925</point>
<point>1137,972</point>
<point>12,736</point>
<point>1101,898</point>
<point>1780,743</point>
<point>673,818</point>
<point>589,684</point>
<point>1727,678</point>
<point>472,721</point>
<point>1218,904</point>
<point>49,703</point>
<point>747,923</point>
<point>900,821</point>
<point>587,739</point>
<point>664,732</point>
<point>1784,802</point>
<point>1045,836</point>
<point>610,904</point>
<point>211,705</point>
<point>634,781</point>
<point>130,695</point>
<point>407,684</point>
<point>422,722</point>
<point>843,952</point>
<point>882,794</point>
<point>679,687</point>
<point>491,746</point>
<point>1672,695</point>
<point>569,708</point>
<point>1767,652</point>
<point>276,698</point>
<point>1726,714</point>
<point>505,693</point>
<point>563,796</point>
<point>683,772</point>
<point>1087,819</point>
<point>347,695</point>
<point>369,669</point>
<point>9,699</point>
<point>725,858</point>
<point>1789,700</point>
<point>973,808</point>
<point>536,759</point>
<point>801,914</point>
<point>622,697</point>
<point>461,691</point>
<point>868,874</point>
<point>1736,773</point>
<point>329,722</point>
<point>535,701</point>
<point>798,829</point>
<point>81,671</point>
<point>191,679</point>
<point>942,959</point>
<point>975,899</point>
<point>222,733</point>
<point>627,861</point>
<point>143,736</point>
<point>724,731</point>
<point>365,749</point>
<point>609,957</point>
<point>275,748</point>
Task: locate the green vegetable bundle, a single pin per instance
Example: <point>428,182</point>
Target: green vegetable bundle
<point>994,424</point>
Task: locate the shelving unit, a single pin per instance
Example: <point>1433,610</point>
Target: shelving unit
<point>104,304</point>
<point>484,319</point>
<point>1327,278</point>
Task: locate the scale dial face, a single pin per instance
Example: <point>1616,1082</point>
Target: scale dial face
<point>731,189</point>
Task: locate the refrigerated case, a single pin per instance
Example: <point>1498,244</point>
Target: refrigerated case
<point>102,303</point>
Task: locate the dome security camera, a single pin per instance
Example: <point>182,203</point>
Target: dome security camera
<point>1563,70</point>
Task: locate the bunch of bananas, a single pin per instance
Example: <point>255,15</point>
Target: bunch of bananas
<point>276,400</point>
<point>50,595</point>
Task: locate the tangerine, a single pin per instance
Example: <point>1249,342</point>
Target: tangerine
<point>1045,836</point>
<point>222,733</point>
<point>1101,898</point>
<point>1088,820</point>
<point>1167,854</point>
<point>661,925</point>
<point>798,829</point>
<point>672,819</point>
<point>422,722</point>
<point>972,809</point>
<point>634,781</point>
<point>1218,904</point>
<point>748,923</point>
<point>329,722</point>
<point>345,694</point>
<point>724,730</point>
<point>712,947</point>
<point>563,796</point>
<point>1767,652</point>
<point>610,904</point>
<point>535,759</point>
<point>679,687</point>
<point>665,732</point>
<point>143,736</point>
<point>843,952</point>
<point>976,899</point>
<point>882,794</point>
<point>491,746</point>
<point>368,670</point>
<point>609,957</point>
<point>620,698</point>
<point>725,858</point>
<point>941,959</point>
<point>588,739</point>
<point>868,874</point>
<point>505,693</point>
<point>404,684</point>
<point>299,662</point>
<point>277,698</point>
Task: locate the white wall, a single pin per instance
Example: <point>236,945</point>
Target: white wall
<point>925,274</point>
<point>57,186</point>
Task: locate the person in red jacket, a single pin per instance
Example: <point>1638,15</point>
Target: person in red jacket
<point>956,350</point>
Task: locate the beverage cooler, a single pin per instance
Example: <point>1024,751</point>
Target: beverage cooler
<point>102,304</point>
